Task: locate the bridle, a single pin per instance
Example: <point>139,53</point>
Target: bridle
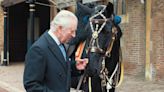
<point>94,43</point>
<point>95,48</point>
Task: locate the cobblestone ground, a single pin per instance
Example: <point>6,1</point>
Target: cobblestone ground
<point>11,77</point>
<point>138,84</point>
<point>11,81</point>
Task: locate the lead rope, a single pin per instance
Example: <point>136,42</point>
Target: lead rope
<point>80,82</point>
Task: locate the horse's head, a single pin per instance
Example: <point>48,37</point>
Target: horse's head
<point>95,26</point>
<point>102,31</point>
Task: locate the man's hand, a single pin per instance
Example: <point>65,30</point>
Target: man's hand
<point>81,63</point>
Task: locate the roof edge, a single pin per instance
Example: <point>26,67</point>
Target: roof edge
<point>8,3</point>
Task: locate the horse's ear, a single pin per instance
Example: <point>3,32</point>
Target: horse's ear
<point>110,9</point>
<point>83,9</point>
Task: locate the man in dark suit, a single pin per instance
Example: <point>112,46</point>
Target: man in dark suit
<point>47,67</point>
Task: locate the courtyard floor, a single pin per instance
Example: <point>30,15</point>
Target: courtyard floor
<point>11,78</point>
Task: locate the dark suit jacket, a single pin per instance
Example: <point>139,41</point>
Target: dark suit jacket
<point>45,67</point>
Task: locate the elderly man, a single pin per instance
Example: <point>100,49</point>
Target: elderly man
<point>47,67</point>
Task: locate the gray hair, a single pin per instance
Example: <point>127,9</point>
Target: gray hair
<point>63,18</point>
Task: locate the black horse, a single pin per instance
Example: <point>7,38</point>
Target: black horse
<point>100,31</point>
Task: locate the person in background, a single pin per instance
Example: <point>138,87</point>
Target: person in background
<point>47,67</point>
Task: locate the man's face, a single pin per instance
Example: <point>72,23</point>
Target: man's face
<point>69,32</point>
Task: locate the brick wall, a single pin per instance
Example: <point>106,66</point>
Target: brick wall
<point>134,39</point>
<point>157,37</point>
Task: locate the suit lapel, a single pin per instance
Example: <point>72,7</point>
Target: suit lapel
<point>54,48</point>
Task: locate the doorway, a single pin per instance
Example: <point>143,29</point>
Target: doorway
<point>18,28</point>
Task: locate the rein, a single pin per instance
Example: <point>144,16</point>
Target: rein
<point>105,81</point>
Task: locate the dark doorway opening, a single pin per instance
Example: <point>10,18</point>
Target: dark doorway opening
<point>17,31</point>
<point>18,28</point>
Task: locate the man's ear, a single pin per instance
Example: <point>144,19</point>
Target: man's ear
<point>59,28</point>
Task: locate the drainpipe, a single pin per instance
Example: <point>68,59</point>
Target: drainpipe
<point>5,52</point>
<point>30,38</point>
<point>148,73</point>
